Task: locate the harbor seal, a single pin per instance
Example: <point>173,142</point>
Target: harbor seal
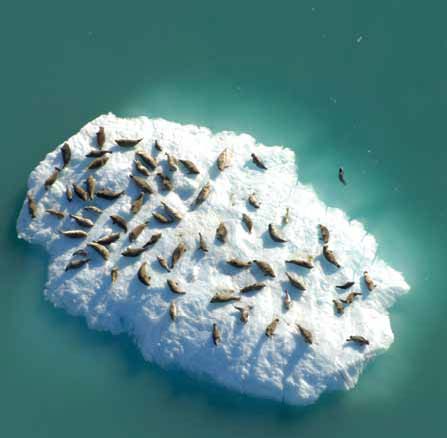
<point>100,249</point>
<point>100,137</point>
<point>66,154</point>
<point>246,219</point>
<point>296,281</point>
<point>358,340</point>
<point>330,256</point>
<point>175,287</point>
<point>223,160</point>
<point>265,268</point>
<point>127,142</point>
<point>143,274</point>
<point>271,328</point>
<point>224,297</point>
<point>203,194</point>
<point>258,162</point>
<point>369,281</point>
<point>177,254</point>
<point>52,178</point>
<point>190,167</point>
<point>306,334</point>
<point>254,287</point>
<point>120,221</point>
<point>217,339</point>
<point>275,234</point>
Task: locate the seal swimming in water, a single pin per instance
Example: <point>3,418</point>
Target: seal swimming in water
<point>91,185</point>
<point>114,274</point>
<point>100,249</point>
<point>143,274</point>
<point>203,194</point>
<point>223,160</point>
<point>358,340</point>
<point>265,268</point>
<point>133,251</point>
<point>82,221</point>
<point>175,287</point>
<point>141,168</point>
<point>80,192</point>
<point>339,306</point>
<point>75,264</point>
<point>254,287</point>
<point>248,222</point>
<point>147,158</point>
<point>346,285</point>
<point>32,206</point>
<point>224,297</point>
<point>98,162</point>
<point>120,221</point>
<point>253,201</point>
<point>217,339</point>
<point>109,239</point>
<point>244,313</point>
<point>108,194</point>
<point>177,254</point>
<point>100,137</point>
<point>330,256</point>
<point>222,232</point>
<point>69,193</point>
<point>59,214</point>
<point>93,208</point>
<point>66,154</point>
<point>137,203</point>
<point>74,234</point>
<point>95,153</point>
<point>296,281</point>
<point>287,300</point>
<point>161,218</point>
<point>341,175</point>
<point>52,178</point>
<point>350,297</point>
<point>152,240</point>
<point>190,167</point>
<point>163,263</point>
<point>127,143</point>
<point>304,263</point>
<point>368,281</point>
<point>174,213</point>
<point>165,181</point>
<point>142,184</point>
<point>275,234</point>
<point>259,163</point>
<point>271,328</point>
<point>306,334</point>
<point>324,232</point>
<point>202,243</point>
<point>172,162</point>
<point>136,231</point>
<point>239,263</point>
<point>173,310</point>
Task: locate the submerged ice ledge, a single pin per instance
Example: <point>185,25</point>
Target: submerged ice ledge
<point>281,367</point>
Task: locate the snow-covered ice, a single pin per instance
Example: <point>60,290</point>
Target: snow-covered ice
<point>282,367</point>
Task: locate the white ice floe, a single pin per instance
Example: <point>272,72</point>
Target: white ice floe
<point>282,367</point>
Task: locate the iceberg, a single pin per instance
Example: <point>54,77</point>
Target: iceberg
<point>284,366</point>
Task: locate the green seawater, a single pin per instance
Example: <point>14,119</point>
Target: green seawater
<point>353,83</point>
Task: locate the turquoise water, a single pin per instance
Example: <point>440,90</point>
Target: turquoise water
<point>358,84</point>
